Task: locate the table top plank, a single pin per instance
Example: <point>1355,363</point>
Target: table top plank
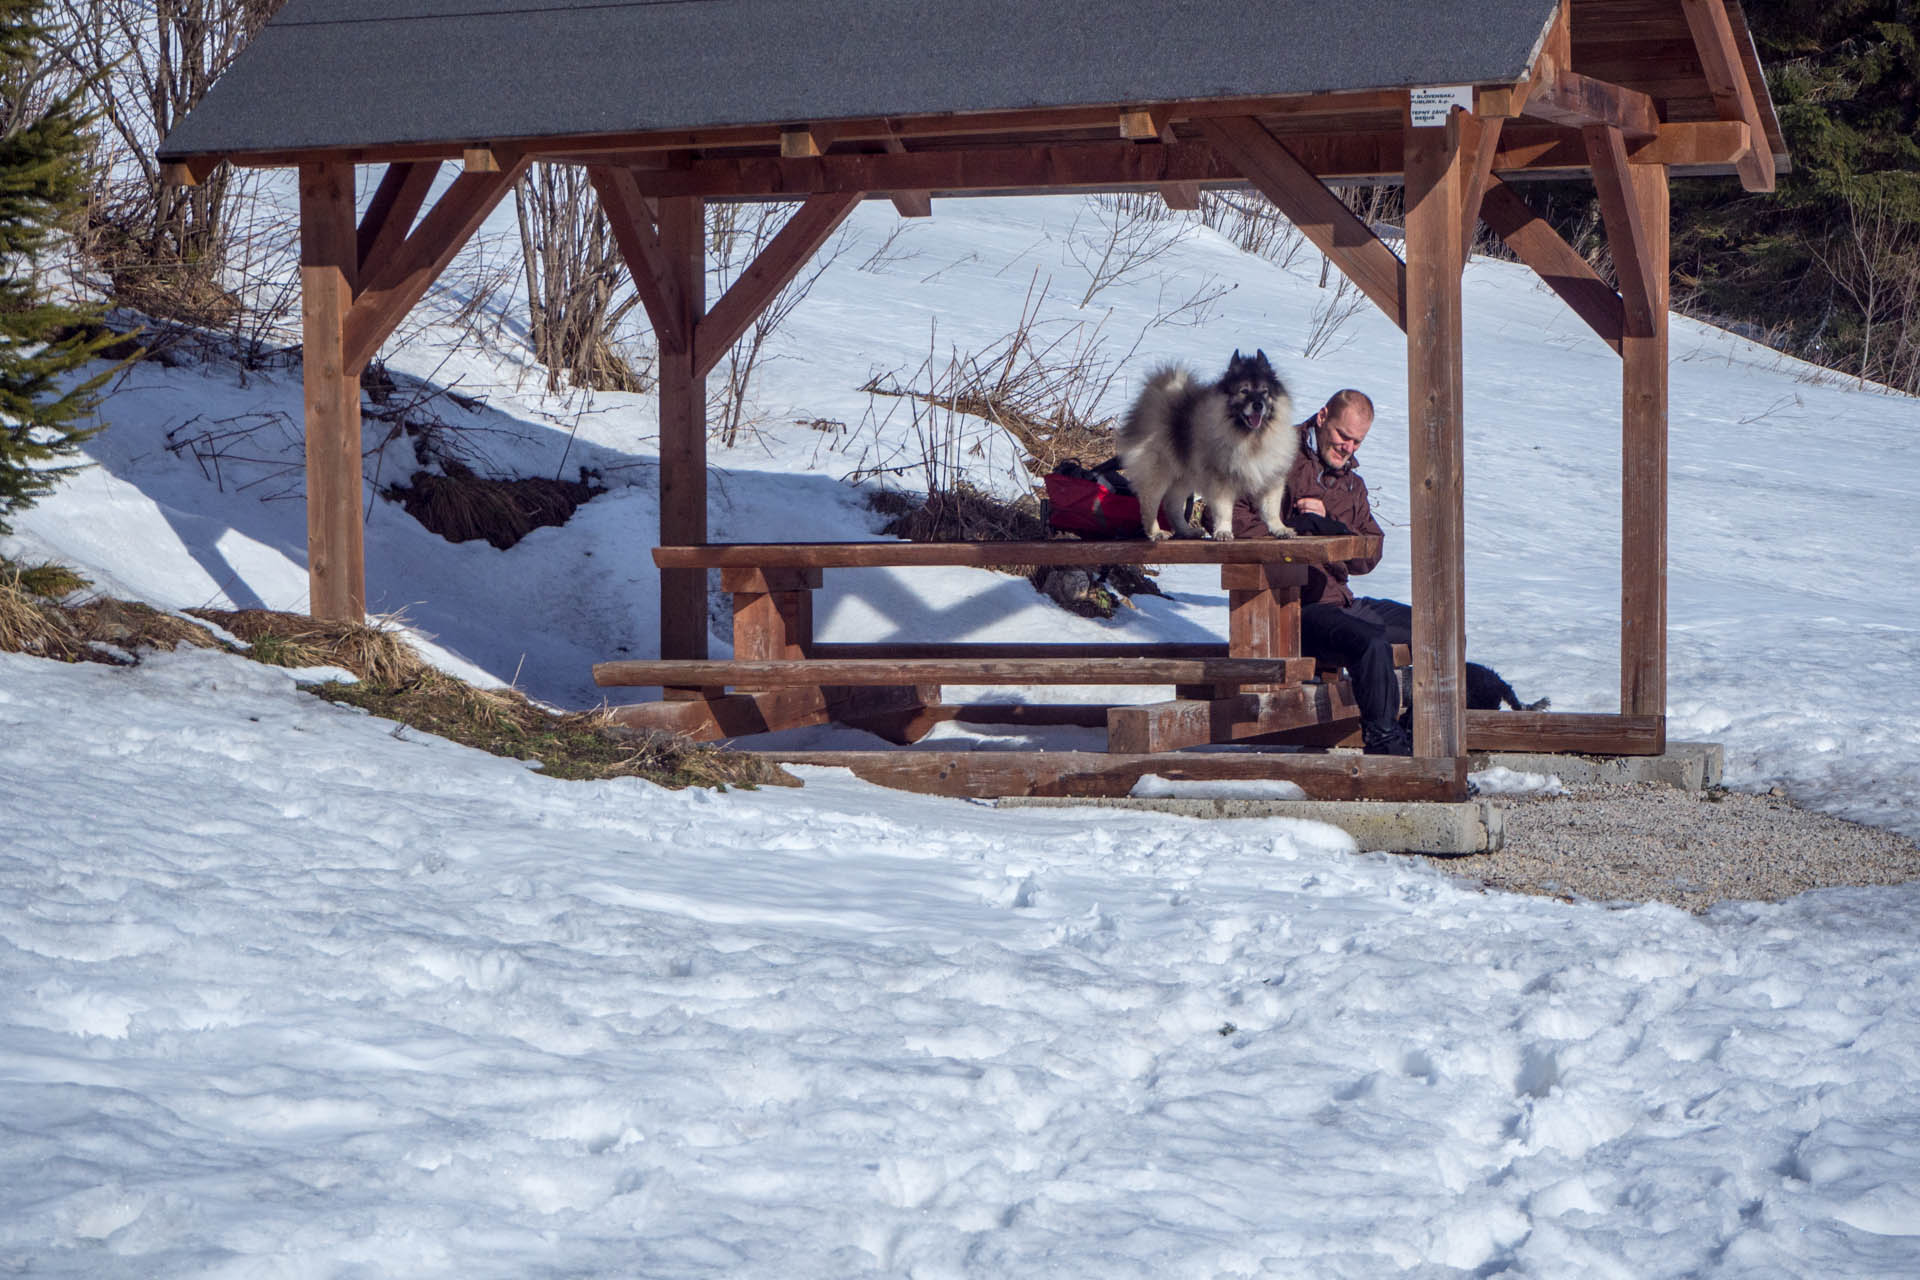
<point>1062,551</point>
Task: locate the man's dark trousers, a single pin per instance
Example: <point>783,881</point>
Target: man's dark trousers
<point>1360,637</point>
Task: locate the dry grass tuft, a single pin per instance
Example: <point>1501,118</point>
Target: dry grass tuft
<point>33,621</point>
<point>579,745</point>
<point>372,653</point>
<point>461,506</point>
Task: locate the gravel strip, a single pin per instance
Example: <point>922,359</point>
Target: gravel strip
<point>1647,843</point>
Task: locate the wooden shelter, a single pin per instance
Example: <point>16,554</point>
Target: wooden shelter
<point>831,102</point>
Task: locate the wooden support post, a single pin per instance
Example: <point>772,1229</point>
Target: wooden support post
<point>329,259</point>
<point>1436,179</point>
<point>683,429</point>
<point>1643,541</point>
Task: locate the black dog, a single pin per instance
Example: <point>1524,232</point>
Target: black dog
<point>1486,691</point>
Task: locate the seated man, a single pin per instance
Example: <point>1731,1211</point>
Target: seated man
<point>1336,627</point>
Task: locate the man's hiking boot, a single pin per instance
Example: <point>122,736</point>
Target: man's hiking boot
<point>1388,740</point>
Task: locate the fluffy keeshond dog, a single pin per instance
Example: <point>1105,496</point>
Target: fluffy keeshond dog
<point>1219,440</point>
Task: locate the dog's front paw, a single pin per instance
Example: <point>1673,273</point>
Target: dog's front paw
<point>1156,534</point>
<point>1281,531</point>
<point>1222,534</point>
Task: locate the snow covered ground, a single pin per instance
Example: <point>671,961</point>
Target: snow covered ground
<point>286,991</point>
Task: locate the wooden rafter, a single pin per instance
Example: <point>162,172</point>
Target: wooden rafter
<point>1535,242</point>
<point>1627,231</point>
<point>767,274</point>
<point>1320,216</point>
<point>1727,80</point>
<point>403,277</point>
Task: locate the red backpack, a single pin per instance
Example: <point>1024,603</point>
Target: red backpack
<point>1092,502</point>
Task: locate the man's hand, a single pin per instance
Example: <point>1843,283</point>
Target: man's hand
<point>1312,506</point>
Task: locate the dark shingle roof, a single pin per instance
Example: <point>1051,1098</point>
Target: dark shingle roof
<point>357,73</point>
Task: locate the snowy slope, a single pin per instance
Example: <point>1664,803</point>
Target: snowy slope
<point>287,991</point>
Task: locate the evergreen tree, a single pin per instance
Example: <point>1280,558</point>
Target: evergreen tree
<point>42,344</point>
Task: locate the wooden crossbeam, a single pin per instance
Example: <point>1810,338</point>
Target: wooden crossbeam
<point>481,160</point>
<point>1726,77</point>
<point>388,219</point>
<point>974,671</point>
<point>769,273</point>
<point>404,277</point>
<point>1535,242</point>
<point>1318,214</point>
<point>1094,773</point>
<point>1559,731</point>
<point>1627,232</point>
<point>1062,551</point>
<point>632,217</point>
<point>1112,165</point>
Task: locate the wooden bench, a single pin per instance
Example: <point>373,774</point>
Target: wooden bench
<point>1257,683</point>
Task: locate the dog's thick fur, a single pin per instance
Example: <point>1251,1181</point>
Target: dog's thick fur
<point>1218,440</point>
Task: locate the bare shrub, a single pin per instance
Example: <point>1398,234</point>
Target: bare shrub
<point>1117,237</point>
<point>1042,383</point>
<point>574,272</point>
<point>1254,224</point>
<point>144,64</point>
<point>1330,316</point>
<point>736,233</point>
<point>1871,259</point>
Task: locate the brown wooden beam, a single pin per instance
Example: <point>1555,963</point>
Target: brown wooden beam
<point>969,671</point>
<point>1171,726</point>
<point>631,215</point>
<point>1318,214</point>
<point>993,649</point>
<point>770,272</point>
<point>396,203</point>
<point>1060,551</point>
<point>1093,166</point>
<point>1643,538</point>
<point>908,204</point>
<point>1575,101</point>
<point>1626,228</point>
<point>1726,77</point>
<point>683,429</point>
<point>329,257</point>
<point>1093,773</point>
<point>403,279</point>
<point>1436,164</point>
<point>1558,731</point>
<point>1535,242</point>
<point>1482,142</point>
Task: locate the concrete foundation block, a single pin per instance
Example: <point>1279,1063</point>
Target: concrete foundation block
<point>1690,766</point>
<point>1473,826</point>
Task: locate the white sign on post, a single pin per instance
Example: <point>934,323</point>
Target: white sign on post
<point>1430,106</point>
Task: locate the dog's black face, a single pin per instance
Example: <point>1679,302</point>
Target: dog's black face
<point>1253,391</point>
